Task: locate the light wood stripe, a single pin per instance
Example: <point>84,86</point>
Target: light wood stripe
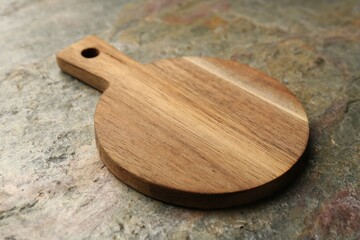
<point>236,79</point>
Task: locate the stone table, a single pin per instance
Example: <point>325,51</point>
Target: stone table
<point>53,184</point>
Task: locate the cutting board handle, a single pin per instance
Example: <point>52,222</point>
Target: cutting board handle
<point>95,62</point>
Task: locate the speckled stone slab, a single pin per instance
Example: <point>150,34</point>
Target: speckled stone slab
<point>52,181</point>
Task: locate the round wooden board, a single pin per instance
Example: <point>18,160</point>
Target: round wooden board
<point>197,132</point>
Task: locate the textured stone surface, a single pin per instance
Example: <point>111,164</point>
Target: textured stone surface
<point>52,182</point>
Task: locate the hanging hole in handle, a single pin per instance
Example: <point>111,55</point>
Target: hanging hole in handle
<point>90,53</point>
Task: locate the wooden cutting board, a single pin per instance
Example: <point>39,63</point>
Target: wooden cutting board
<point>192,131</point>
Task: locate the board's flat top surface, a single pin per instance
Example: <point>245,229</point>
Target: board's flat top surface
<point>202,125</point>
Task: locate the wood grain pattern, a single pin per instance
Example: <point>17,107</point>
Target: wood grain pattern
<point>198,132</point>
